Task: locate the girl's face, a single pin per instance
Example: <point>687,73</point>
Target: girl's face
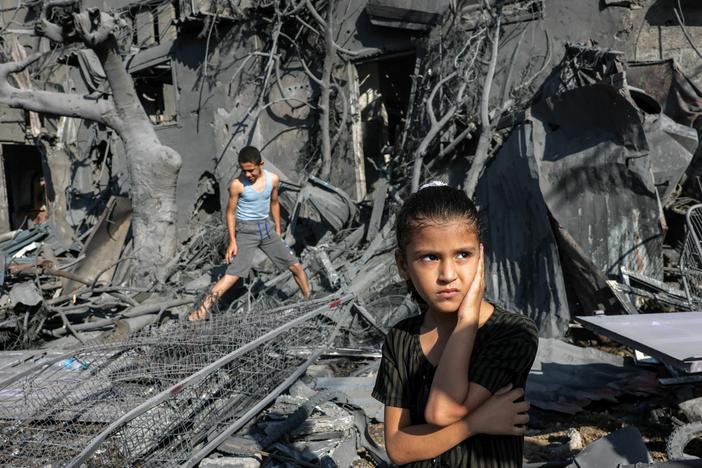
<point>441,261</point>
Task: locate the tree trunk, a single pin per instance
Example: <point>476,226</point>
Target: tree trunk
<point>482,152</point>
<point>153,168</point>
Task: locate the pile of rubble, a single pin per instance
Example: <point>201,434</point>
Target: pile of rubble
<point>118,365</point>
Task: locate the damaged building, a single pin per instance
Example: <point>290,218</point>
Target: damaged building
<point>574,126</point>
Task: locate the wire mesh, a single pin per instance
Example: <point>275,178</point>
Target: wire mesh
<point>691,257</point>
<point>169,382</point>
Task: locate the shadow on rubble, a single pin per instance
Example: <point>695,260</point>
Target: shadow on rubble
<point>662,13</point>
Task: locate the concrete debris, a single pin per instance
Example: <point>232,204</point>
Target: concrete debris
<point>692,409</point>
<point>624,446</point>
<point>230,462</point>
<point>357,390</point>
<point>25,293</point>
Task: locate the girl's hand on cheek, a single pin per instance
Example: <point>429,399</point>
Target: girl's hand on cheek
<point>500,414</point>
<point>470,306</point>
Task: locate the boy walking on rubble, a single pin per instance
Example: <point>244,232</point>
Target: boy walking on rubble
<point>252,196</point>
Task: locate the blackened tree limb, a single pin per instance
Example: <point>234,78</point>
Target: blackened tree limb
<point>67,323</point>
<point>144,309</point>
<point>482,152</point>
<point>65,104</point>
<point>430,100</point>
<point>424,146</point>
<point>324,104</point>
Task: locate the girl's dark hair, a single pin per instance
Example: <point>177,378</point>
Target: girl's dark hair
<point>432,205</point>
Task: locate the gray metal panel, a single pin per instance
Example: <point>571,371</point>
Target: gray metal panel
<point>674,338</point>
<point>523,268</point>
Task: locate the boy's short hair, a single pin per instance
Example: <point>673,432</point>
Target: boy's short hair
<point>249,154</point>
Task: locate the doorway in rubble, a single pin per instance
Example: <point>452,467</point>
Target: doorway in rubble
<point>24,186</point>
<point>384,87</point>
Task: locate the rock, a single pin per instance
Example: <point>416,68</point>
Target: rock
<point>319,370</point>
<point>575,442</point>
<point>230,462</point>
<point>692,409</point>
<point>25,293</point>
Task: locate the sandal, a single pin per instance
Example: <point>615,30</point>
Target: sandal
<point>197,315</point>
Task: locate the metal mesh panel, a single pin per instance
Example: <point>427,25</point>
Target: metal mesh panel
<point>157,394</point>
<point>691,257</point>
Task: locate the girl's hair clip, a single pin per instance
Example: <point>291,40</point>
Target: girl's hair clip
<point>434,183</point>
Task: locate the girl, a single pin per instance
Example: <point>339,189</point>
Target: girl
<point>450,378</point>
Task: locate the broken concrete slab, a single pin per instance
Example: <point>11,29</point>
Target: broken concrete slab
<point>672,337</point>
<point>104,246</point>
<point>624,446</point>
<point>25,293</point>
<point>358,389</point>
<point>692,409</point>
<point>230,462</point>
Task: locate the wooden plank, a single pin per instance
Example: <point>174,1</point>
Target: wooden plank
<point>4,201</point>
<point>166,29</point>
<point>145,29</point>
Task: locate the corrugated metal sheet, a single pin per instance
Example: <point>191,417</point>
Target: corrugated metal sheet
<point>523,265</point>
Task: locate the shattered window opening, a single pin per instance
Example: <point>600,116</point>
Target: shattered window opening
<point>25,185</point>
<point>157,93</point>
<point>153,23</point>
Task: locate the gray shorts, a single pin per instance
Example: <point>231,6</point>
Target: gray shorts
<point>261,234</point>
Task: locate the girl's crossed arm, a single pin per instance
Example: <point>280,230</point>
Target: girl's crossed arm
<point>499,415</point>
<point>452,395</point>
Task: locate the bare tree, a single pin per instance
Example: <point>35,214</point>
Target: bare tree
<point>465,72</point>
<point>465,87</point>
<point>152,167</point>
<point>306,32</point>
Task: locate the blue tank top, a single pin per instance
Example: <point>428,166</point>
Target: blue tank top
<point>253,205</point>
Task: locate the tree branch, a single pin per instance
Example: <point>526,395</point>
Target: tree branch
<point>302,61</point>
<point>424,146</point>
<point>547,61</point>
<point>315,14</point>
<point>65,104</point>
<point>482,151</point>
<point>430,100</point>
